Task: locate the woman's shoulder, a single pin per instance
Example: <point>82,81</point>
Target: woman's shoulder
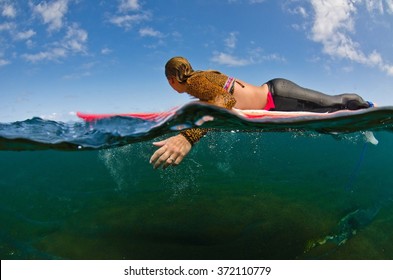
<point>211,75</point>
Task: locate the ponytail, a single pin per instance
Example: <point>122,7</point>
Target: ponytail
<point>179,68</point>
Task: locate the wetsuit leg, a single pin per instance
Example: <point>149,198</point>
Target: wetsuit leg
<point>288,96</point>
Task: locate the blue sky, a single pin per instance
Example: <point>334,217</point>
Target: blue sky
<point>62,56</point>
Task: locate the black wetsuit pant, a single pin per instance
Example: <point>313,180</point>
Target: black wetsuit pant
<point>288,96</point>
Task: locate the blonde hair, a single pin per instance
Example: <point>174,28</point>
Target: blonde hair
<point>179,68</point>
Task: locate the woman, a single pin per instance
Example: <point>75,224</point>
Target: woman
<point>218,89</point>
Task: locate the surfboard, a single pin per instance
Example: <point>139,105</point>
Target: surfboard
<point>88,117</point>
<point>210,116</point>
<point>248,114</point>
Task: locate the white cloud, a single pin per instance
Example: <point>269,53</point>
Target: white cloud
<point>272,57</point>
<point>380,6</point>
<point>333,27</point>
<point>150,32</point>
<point>299,11</point>
<point>129,14</point>
<point>128,21</point>
<point>229,60</point>
<point>7,26</point>
<point>331,17</point>
<point>8,11</point>
<point>75,39</point>
<point>128,5</point>
<point>73,42</point>
<point>106,51</point>
<point>388,69</point>
<point>52,13</point>
<point>52,54</point>
<point>25,35</point>
<point>4,62</point>
<point>231,41</point>
<point>373,5</point>
<point>389,8</point>
<point>253,56</point>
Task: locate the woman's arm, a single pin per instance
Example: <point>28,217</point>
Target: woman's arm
<point>173,150</point>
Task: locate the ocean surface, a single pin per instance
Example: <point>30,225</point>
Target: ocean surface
<point>250,189</point>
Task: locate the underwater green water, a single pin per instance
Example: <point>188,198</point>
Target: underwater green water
<point>236,196</point>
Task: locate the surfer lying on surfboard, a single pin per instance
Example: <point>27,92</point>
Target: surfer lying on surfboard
<point>218,89</point>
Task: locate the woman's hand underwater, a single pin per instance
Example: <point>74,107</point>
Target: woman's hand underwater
<point>171,152</point>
